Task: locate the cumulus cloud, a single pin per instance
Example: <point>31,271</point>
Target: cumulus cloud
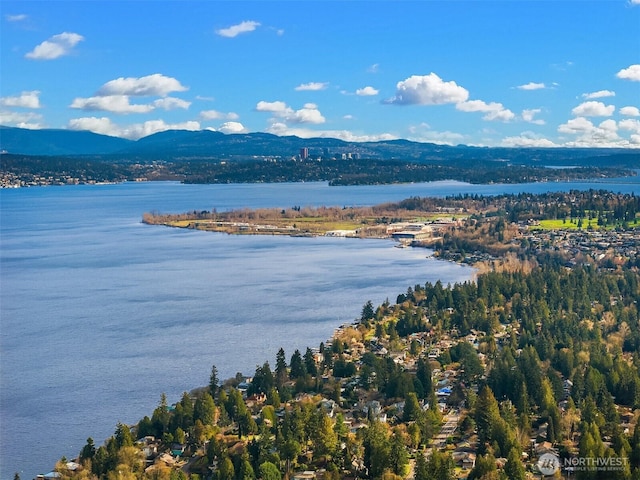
<point>150,85</point>
<point>114,96</point>
<point>493,110</point>
<point>171,103</point>
<point>424,133</point>
<point>366,91</point>
<point>232,127</point>
<point>308,114</point>
<point>593,109</point>
<point>110,103</point>
<point>532,86</point>
<point>135,131</point>
<point>281,129</point>
<point>216,115</point>
<point>27,99</point>
<point>428,90</point>
<point>311,86</point>
<point>599,94</point>
<point>589,135</point>
<point>630,124</point>
<point>235,30</point>
<point>29,120</point>
<point>527,139</point>
<point>630,111</point>
<point>630,73</point>
<point>55,47</point>
<point>528,116</point>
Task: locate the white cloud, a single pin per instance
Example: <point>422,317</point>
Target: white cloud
<point>150,85</point>
<point>308,114</point>
<point>593,109</point>
<point>171,103</point>
<point>375,68</point>
<point>235,30</point>
<point>282,129</point>
<point>367,91</point>
<point>348,117</point>
<point>277,107</point>
<point>478,106</point>
<point>576,126</point>
<point>527,116</point>
<point>24,100</point>
<point>527,139</point>
<point>589,135</point>
<point>101,125</point>
<point>428,90</point>
<point>630,111</point>
<point>630,124</point>
<point>433,136</point>
<point>493,110</point>
<point>505,115</point>
<point>312,86</point>
<point>110,103</point>
<point>16,18</point>
<point>599,94</point>
<point>30,120</point>
<point>216,115</point>
<point>532,86</point>
<point>232,127</point>
<point>135,131</point>
<point>55,47</point>
<point>630,73</point>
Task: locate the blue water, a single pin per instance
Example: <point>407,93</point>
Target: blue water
<point>101,314</point>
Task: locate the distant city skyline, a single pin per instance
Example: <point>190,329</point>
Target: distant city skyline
<point>491,73</point>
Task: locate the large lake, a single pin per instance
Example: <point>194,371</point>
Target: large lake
<point>101,314</point>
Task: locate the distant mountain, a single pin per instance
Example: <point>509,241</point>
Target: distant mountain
<point>58,142</point>
<point>180,145</point>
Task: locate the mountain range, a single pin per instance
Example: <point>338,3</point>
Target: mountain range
<point>174,145</point>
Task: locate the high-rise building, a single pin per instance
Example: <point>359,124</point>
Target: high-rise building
<point>304,153</point>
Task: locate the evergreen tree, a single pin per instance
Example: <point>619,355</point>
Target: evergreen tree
<point>244,470</point>
<point>213,381</point>
<point>205,409</point>
<point>440,466</point>
<point>377,449</point>
<point>226,470</point>
<point>514,467</point>
<point>297,369</point>
<point>423,373</point>
<point>310,363</point>
<point>281,369</point>
<point>88,451</point>
<point>398,456</point>
<point>487,415</point>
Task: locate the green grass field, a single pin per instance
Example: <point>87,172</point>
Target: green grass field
<point>573,224</point>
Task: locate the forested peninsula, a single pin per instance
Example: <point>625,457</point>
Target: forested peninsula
<point>531,370</point>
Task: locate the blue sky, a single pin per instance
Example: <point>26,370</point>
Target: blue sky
<point>494,73</point>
